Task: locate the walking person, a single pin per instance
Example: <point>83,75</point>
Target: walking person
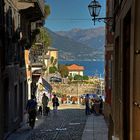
<point>101,105</point>
<point>31,109</point>
<point>45,101</point>
<point>97,107</point>
<point>55,102</point>
<point>87,109</point>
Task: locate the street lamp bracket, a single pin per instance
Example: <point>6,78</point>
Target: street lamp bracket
<point>94,10</point>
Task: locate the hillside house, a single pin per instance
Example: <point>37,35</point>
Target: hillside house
<point>75,69</point>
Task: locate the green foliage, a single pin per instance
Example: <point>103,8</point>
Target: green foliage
<point>63,70</point>
<point>52,60</point>
<point>59,94</point>
<point>47,10</point>
<point>70,78</point>
<point>34,51</point>
<point>52,69</point>
<point>85,77</point>
<point>44,37</point>
<point>78,77</point>
<point>81,78</point>
<point>34,47</point>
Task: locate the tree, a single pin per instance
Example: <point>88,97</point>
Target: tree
<point>42,33</point>
<point>55,62</point>
<point>44,37</point>
<point>70,78</point>
<point>78,77</point>
<point>85,77</point>
<point>52,69</point>
<point>52,60</point>
<point>63,70</point>
<point>47,10</point>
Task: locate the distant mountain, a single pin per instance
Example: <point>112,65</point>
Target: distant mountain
<point>79,44</point>
<point>94,37</point>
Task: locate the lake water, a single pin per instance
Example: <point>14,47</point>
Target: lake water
<point>92,68</point>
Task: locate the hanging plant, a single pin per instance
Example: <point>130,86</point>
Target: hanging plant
<point>47,10</point>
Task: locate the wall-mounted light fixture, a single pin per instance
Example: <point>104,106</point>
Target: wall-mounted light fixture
<point>94,10</point>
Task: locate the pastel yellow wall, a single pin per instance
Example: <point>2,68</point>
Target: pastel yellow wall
<point>54,54</point>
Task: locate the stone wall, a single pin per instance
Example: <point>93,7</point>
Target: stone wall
<point>74,89</point>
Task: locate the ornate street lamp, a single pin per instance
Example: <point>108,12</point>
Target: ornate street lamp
<point>94,10</point>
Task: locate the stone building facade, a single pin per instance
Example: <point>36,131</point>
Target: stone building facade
<point>1,65</point>
<point>109,66</point>
<point>15,26</point>
<point>125,97</point>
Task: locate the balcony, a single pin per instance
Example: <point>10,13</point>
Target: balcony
<point>33,9</point>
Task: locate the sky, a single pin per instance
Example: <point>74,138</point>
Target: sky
<point>68,14</point>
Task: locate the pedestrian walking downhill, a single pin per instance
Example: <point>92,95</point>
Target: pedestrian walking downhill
<point>55,102</point>
<point>87,109</point>
<point>31,109</point>
<point>45,101</point>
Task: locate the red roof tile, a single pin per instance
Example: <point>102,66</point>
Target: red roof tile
<point>75,67</point>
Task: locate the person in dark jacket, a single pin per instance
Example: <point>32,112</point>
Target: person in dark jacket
<point>101,105</point>
<point>31,109</point>
<point>45,101</point>
<point>55,103</point>
<point>87,109</point>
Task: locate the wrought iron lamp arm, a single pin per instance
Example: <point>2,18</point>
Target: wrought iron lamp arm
<point>107,20</point>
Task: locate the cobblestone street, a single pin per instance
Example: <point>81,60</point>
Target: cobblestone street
<point>67,124</point>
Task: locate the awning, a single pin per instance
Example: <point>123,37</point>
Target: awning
<point>46,85</point>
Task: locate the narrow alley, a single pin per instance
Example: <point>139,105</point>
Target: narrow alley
<point>80,56</point>
<point>70,123</point>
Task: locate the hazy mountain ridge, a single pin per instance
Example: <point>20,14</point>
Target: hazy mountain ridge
<point>85,36</point>
<point>75,44</point>
<point>94,32</point>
